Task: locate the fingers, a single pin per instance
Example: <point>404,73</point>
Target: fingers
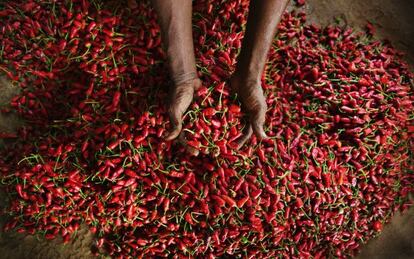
<point>176,111</point>
<point>177,126</point>
<point>258,120</point>
<point>254,104</point>
<point>181,98</point>
<point>255,126</point>
<point>193,151</point>
<point>246,136</point>
<point>259,131</point>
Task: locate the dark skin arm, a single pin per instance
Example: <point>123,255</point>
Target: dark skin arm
<point>175,21</point>
<point>262,22</point>
<point>176,28</point>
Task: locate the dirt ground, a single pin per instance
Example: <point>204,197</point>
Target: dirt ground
<point>394,20</point>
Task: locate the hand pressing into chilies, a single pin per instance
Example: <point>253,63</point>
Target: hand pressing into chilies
<point>175,20</point>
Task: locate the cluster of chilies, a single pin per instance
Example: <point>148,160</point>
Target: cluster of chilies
<point>336,166</point>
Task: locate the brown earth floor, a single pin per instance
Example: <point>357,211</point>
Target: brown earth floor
<point>394,20</point>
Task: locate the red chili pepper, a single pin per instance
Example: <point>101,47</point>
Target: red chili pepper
<point>229,201</point>
<point>19,189</point>
<point>260,153</point>
<point>242,202</point>
<point>256,193</point>
<point>220,202</point>
<point>377,226</point>
<point>209,112</point>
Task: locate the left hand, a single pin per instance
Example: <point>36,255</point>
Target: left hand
<point>181,98</point>
<point>254,104</point>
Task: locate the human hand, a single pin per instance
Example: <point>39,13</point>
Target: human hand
<point>181,98</point>
<point>254,104</point>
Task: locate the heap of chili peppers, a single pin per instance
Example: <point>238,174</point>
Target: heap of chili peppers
<point>94,83</point>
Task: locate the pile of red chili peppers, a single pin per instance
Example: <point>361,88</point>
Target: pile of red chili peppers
<point>94,86</point>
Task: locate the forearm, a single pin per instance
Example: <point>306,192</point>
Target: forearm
<point>175,19</point>
<point>264,15</point>
<point>261,28</point>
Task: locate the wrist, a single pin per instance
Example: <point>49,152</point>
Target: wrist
<point>247,80</point>
<point>183,78</point>
<point>249,70</point>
